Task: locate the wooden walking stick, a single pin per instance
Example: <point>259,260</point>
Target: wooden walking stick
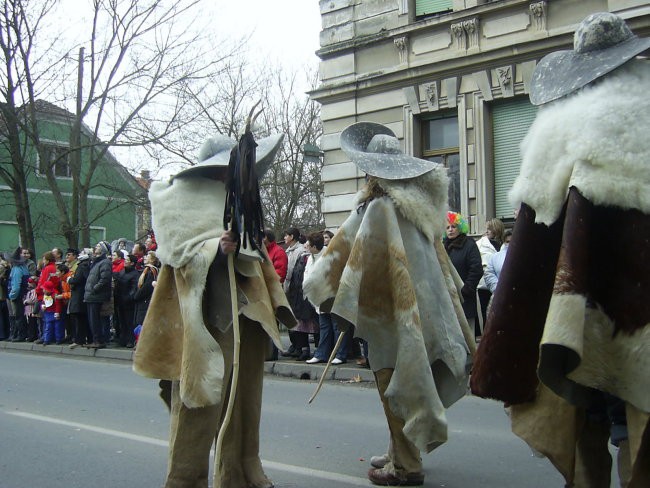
<point>327,366</point>
<point>243,216</point>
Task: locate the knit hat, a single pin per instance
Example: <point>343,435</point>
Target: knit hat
<point>105,247</point>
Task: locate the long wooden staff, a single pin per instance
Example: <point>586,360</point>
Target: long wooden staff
<point>239,214</point>
<point>235,357</point>
<point>327,366</point>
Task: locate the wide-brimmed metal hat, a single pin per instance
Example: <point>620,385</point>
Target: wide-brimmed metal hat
<point>602,42</point>
<point>214,155</point>
<point>375,150</point>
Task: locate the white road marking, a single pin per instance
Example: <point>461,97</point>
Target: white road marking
<point>92,428</point>
<point>287,468</point>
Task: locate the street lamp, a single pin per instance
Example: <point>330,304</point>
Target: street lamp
<point>311,153</point>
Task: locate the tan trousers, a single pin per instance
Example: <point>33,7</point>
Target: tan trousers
<point>403,456</point>
<point>193,430</point>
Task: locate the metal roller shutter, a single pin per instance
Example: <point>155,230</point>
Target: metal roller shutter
<point>510,122</point>
<point>424,7</point>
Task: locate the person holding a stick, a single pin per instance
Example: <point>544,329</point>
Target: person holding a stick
<point>217,298</point>
<point>386,273</point>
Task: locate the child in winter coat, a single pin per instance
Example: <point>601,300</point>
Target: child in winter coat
<point>52,319</point>
<point>32,309</point>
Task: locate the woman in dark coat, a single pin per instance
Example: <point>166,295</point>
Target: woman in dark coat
<point>76,306</point>
<point>126,285</point>
<point>466,258</point>
<point>145,286</point>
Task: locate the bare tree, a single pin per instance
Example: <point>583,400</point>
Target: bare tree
<point>128,79</point>
<point>142,61</point>
<point>292,188</point>
<point>22,70</point>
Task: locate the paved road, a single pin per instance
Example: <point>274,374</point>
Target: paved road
<point>67,423</point>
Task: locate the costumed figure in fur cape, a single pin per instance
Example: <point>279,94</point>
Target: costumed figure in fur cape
<point>387,273</point>
<point>567,339</point>
<point>187,336</point>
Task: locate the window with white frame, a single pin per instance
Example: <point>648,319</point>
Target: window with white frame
<point>440,144</point>
<point>55,158</point>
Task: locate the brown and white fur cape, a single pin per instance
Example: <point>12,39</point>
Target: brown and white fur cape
<point>572,307</point>
<point>386,272</point>
<point>175,343</point>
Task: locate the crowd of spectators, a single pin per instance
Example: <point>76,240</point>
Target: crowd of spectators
<point>98,297</point>
<point>89,298</point>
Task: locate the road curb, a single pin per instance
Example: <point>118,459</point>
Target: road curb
<point>287,368</point>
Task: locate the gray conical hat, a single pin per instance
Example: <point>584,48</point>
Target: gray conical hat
<point>602,42</point>
<point>375,150</point>
<point>214,155</point>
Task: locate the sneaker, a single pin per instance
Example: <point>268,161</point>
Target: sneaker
<point>73,345</point>
<point>38,341</point>
<point>313,360</point>
<point>337,361</point>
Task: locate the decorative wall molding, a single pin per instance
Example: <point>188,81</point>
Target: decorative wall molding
<point>538,13</point>
<point>432,95</point>
<point>459,36</point>
<point>465,33</point>
<point>402,44</point>
<point>505,76</point>
<point>471,30</point>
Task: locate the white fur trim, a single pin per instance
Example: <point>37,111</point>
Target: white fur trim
<point>202,363</point>
<point>596,140</point>
<point>422,200</point>
<point>184,214</point>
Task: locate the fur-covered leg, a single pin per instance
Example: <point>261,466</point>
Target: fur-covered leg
<point>191,434</point>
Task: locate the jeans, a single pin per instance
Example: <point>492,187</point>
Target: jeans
<point>329,333</point>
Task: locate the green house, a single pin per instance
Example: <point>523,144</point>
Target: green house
<point>116,200</point>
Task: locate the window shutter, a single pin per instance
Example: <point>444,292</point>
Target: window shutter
<point>510,121</point>
<point>425,7</point>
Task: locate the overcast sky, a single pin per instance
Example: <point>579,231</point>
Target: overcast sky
<point>285,31</point>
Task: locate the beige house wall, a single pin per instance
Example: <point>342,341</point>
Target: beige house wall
<point>379,63</point>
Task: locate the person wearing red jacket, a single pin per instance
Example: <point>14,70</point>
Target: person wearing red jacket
<point>48,273</point>
<point>276,254</point>
<point>52,320</point>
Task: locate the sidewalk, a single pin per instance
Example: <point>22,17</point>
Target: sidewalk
<point>287,367</point>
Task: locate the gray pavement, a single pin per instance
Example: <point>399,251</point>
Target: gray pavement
<point>286,367</point>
